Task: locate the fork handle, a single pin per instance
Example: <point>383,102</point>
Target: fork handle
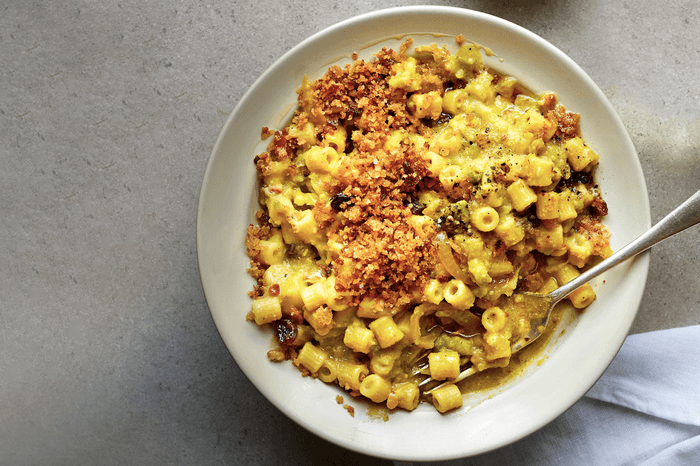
<point>682,217</point>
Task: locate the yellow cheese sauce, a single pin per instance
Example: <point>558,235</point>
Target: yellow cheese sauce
<point>407,201</point>
<point>499,376</point>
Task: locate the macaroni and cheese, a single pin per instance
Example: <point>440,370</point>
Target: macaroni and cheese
<point>406,201</point>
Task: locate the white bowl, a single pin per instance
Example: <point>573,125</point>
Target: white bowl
<point>228,201</point>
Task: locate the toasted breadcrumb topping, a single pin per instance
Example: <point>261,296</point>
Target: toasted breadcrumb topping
<point>596,233</point>
<point>386,257</point>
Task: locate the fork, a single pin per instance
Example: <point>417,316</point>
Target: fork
<point>682,217</point>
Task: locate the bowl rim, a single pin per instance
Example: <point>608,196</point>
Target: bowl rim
<point>641,265</point>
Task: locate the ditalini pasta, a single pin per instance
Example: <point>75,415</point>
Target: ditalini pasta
<point>409,197</point>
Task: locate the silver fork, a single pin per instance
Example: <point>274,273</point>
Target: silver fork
<point>682,217</point>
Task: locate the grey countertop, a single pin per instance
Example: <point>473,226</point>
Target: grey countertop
<point>108,114</point>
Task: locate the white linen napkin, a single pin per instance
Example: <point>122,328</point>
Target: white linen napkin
<point>644,410</point>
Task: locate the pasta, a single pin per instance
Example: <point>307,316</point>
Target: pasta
<point>447,398</point>
<point>444,365</point>
<point>407,200</point>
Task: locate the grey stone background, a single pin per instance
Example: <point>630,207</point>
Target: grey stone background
<point>108,114</point>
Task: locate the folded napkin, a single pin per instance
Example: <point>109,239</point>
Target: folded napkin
<point>644,410</point>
